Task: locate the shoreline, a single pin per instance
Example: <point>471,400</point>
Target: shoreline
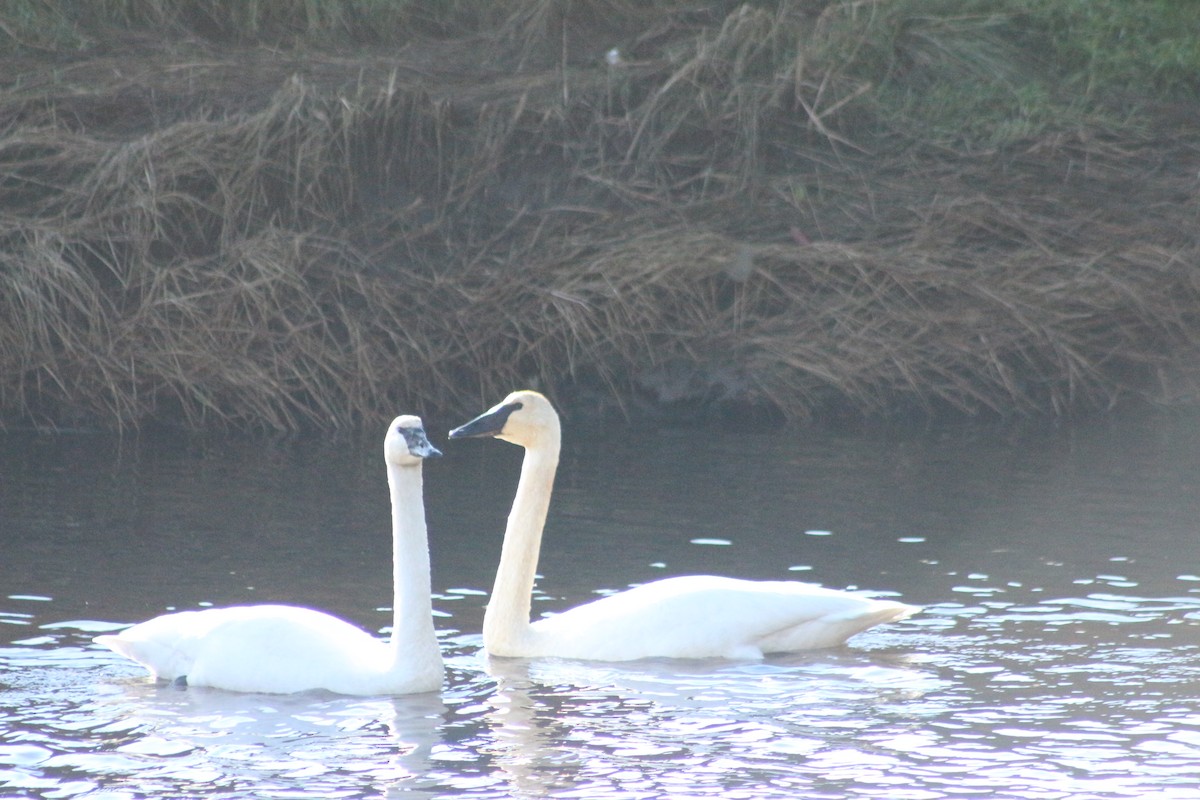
<point>732,218</point>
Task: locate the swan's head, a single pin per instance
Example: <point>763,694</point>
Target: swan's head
<point>525,418</point>
<point>406,443</point>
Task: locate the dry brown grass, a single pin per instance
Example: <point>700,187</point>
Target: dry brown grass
<point>697,228</point>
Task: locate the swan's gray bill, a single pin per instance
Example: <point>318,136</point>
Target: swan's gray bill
<point>418,443</point>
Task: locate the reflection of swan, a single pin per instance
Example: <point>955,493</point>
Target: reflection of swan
<point>697,616</point>
<point>562,727</point>
<point>274,648</point>
<point>299,745</point>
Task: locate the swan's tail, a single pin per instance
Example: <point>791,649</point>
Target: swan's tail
<point>834,629</point>
<point>116,644</point>
<point>162,661</point>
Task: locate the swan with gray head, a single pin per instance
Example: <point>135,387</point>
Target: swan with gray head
<point>284,649</point>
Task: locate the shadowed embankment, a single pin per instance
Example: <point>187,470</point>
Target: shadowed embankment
<point>740,208</point>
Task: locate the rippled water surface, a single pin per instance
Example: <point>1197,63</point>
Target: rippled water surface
<point>1058,656</point>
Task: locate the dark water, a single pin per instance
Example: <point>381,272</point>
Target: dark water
<point>1059,655</point>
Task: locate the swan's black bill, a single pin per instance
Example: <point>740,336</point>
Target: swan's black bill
<point>489,423</point>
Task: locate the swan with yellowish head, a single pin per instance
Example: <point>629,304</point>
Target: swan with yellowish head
<point>694,616</point>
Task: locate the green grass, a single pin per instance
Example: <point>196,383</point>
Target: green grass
<point>1143,47</point>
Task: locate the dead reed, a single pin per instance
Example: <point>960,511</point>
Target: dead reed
<point>707,225</point>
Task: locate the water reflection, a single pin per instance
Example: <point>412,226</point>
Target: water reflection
<point>962,701</point>
<point>695,729</point>
<point>1059,655</point>
<point>87,722</point>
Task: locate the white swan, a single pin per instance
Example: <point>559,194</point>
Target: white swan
<point>696,616</point>
<point>283,649</point>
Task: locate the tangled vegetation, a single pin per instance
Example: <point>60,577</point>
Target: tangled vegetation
<point>298,214</point>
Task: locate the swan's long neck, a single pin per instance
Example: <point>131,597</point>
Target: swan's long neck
<point>412,607</point>
<point>506,621</point>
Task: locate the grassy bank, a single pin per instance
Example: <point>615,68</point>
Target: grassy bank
<point>288,215</point>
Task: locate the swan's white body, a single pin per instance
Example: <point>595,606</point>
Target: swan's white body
<point>697,616</point>
<point>284,649</point>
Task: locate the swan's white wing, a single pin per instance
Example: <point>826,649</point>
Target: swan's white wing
<point>702,616</point>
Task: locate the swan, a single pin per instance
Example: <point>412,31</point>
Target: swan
<point>693,616</point>
<point>283,649</point>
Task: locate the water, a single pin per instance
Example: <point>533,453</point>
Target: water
<point>1059,655</point>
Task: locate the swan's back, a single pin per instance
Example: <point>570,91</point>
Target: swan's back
<point>268,648</point>
<point>704,616</point>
